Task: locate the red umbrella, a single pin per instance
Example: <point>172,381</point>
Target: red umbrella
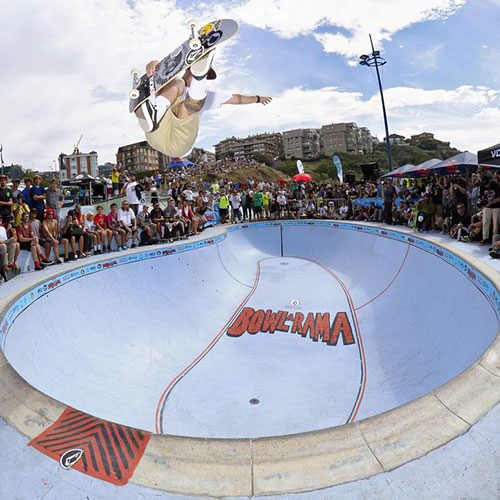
<point>302,177</point>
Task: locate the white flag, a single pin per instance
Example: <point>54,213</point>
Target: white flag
<point>300,167</point>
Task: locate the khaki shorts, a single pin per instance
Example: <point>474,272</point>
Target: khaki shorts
<point>175,136</point>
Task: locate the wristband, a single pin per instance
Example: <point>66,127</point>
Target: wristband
<point>258,98</point>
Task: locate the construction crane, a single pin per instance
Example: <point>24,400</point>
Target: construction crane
<point>75,147</point>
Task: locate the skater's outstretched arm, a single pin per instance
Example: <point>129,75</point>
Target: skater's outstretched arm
<point>248,99</point>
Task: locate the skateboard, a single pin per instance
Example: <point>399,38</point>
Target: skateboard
<point>199,44</point>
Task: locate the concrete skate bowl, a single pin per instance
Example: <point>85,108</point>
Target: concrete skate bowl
<point>348,346</point>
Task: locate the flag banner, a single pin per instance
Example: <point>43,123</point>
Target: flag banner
<point>300,167</point>
<point>338,164</point>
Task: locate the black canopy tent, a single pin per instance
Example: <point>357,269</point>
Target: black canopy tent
<point>489,156</point>
<point>97,188</point>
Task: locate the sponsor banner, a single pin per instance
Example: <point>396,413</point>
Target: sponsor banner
<point>379,202</point>
<point>212,217</point>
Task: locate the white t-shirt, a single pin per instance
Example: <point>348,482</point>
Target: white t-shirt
<point>344,209</point>
<point>3,234</point>
<point>127,216</point>
<point>214,100</point>
<point>235,201</point>
<point>89,225</point>
<point>131,193</point>
<point>281,199</point>
<point>188,194</point>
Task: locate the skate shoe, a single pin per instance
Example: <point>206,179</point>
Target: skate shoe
<point>146,114</point>
<point>203,68</point>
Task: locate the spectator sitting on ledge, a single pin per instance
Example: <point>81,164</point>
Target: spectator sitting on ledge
<point>128,223</point>
<point>461,223</point>
<point>115,228</point>
<point>9,251</point>
<point>425,213</point>
<point>50,232</point>
<point>28,241</point>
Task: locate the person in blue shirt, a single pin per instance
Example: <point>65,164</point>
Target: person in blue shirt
<point>27,192</point>
<point>38,197</point>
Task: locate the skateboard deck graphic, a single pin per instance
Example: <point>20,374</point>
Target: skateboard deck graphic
<point>210,36</point>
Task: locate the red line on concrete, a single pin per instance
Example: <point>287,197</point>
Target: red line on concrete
<point>205,351</point>
<point>390,284</point>
<point>361,394</point>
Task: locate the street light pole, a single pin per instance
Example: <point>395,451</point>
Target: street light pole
<point>376,60</point>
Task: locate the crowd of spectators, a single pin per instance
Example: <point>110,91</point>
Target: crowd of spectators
<point>467,209</point>
<point>31,220</point>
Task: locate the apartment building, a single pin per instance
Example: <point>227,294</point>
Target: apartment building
<point>76,163</point>
<point>302,143</point>
<point>140,156</point>
<point>345,138</point>
<point>269,144</point>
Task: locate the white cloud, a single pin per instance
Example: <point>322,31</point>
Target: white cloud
<point>468,116</point>
<point>65,72</point>
<point>352,20</point>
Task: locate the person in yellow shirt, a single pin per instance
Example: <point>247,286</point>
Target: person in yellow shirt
<point>19,208</point>
<point>223,206</point>
<point>265,204</point>
<point>115,181</point>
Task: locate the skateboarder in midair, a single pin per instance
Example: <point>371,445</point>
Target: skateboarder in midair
<point>173,119</point>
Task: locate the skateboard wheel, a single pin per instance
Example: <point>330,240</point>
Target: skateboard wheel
<point>191,24</point>
<point>135,72</point>
<point>133,94</point>
<point>195,44</point>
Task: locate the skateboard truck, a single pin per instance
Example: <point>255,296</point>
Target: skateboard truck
<point>194,42</point>
<point>134,93</point>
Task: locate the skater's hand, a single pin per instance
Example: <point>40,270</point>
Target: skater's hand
<point>151,67</point>
<point>265,99</point>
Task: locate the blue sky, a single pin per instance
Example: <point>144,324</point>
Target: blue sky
<point>70,61</point>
